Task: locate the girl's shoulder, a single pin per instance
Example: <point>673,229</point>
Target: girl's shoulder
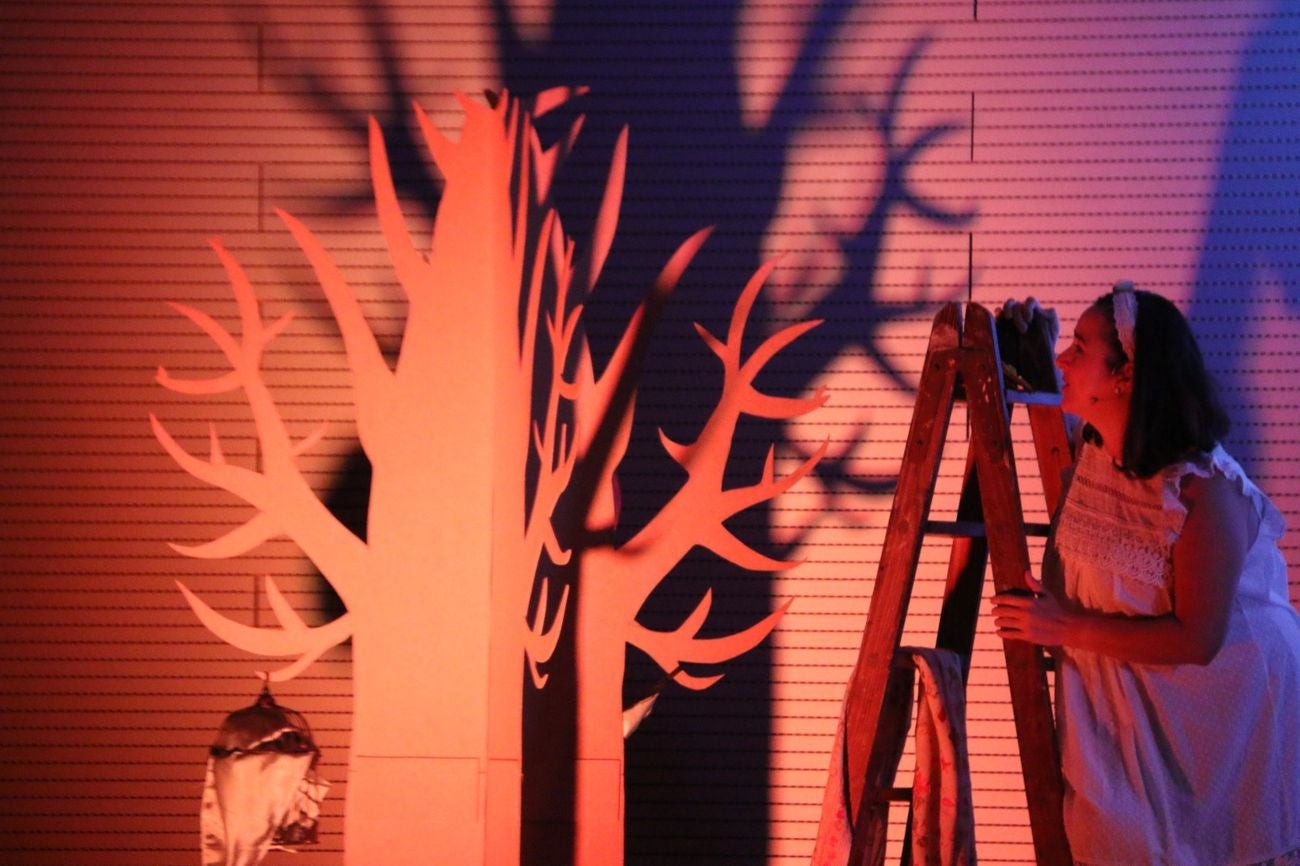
<point>1215,475</point>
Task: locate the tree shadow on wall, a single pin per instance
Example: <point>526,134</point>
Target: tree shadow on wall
<point>1249,251</point>
<point>697,770</point>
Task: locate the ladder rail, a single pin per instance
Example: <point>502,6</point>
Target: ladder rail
<point>869,688</point>
<point>1009,560</point>
<point>957,359</point>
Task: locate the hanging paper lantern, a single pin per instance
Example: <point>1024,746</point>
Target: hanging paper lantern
<point>261,790</point>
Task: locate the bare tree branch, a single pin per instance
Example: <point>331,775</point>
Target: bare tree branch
<point>284,499</point>
<point>696,513</point>
<point>670,649</point>
<point>293,638</point>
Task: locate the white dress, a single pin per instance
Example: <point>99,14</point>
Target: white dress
<point>1183,765</point>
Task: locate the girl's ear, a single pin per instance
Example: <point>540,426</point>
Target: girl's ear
<point>1124,377</point>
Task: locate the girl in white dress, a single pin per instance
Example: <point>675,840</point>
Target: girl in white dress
<point>1164,599</point>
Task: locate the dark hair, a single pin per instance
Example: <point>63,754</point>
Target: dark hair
<point>1174,410</point>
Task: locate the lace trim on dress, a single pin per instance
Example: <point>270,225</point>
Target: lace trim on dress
<point>1086,537</point>
<point>1113,491</point>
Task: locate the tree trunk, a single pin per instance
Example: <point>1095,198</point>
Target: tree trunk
<point>418,760</point>
<point>420,651</point>
<point>601,648</point>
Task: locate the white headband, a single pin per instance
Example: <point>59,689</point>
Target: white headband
<point>1124,296</point>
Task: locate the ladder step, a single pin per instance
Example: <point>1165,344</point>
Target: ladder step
<point>1023,398</point>
<point>975,528</point>
<point>896,795</point>
<point>1034,398</point>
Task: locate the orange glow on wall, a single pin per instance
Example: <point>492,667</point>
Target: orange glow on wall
<point>1088,140</point>
<point>457,552</point>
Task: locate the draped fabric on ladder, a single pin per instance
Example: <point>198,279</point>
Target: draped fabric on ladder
<point>943,823</point>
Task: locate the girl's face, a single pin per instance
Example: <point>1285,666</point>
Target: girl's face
<point>1092,386</point>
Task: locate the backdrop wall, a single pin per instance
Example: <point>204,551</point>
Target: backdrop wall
<point>899,154</point>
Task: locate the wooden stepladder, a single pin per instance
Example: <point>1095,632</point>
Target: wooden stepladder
<point>990,524</point>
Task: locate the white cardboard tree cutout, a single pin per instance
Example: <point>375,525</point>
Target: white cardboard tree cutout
<point>457,552</point>
<point>614,582</point>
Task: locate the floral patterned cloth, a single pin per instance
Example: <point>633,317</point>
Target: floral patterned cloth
<point>943,820</point>
<point>943,824</point>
